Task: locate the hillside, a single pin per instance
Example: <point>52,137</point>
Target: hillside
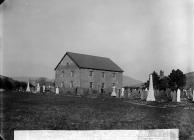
<point>189,80</point>
<point>9,83</point>
<point>128,81</point>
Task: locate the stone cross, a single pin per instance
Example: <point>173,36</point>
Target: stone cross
<point>150,96</point>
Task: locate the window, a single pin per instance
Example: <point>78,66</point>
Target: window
<point>63,73</point>
<point>67,63</point>
<point>91,84</point>
<point>62,84</point>
<point>71,84</point>
<point>113,74</point>
<point>91,73</point>
<point>72,73</point>
<point>103,74</point>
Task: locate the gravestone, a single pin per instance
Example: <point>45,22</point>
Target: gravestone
<point>141,94</point>
<point>190,94</point>
<point>43,88</point>
<point>122,92</point>
<point>193,95</point>
<point>57,90</point>
<point>178,95</point>
<point>38,88</point>
<point>28,87</point>
<point>113,94</point>
<point>173,96</point>
<point>150,96</point>
<point>145,94</point>
<point>129,93</point>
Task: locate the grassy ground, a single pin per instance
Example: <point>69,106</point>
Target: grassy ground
<point>31,112</point>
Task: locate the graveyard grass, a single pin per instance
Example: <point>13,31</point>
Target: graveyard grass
<point>37,112</point>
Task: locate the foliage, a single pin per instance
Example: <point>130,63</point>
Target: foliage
<point>42,80</point>
<point>177,79</point>
<point>164,83</point>
<point>156,80</point>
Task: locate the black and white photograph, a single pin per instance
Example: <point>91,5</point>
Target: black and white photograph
<point>97,69</point>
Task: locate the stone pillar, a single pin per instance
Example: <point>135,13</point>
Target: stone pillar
<point>150,96</point>
<point>28,87</point>
<point>178,95</point>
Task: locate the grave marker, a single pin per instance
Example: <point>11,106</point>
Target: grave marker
<point>150,96</point>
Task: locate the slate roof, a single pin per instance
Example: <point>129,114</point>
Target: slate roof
<point>92,62</point>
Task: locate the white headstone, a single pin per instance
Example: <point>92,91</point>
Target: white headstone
<point>57,90</point>
<point>150,96</point>
<point>193,95</point>
<point>38,88</point>
<point>122,92</point>
<point>185,92</point>
<point>43,88</point>
<point>28,87</point>
<point>113,92</point>
<point>178,95</point>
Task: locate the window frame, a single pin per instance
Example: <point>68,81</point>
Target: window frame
<point>91,73</point>
<point>103,85</point>
<point>71,84</point>
<point>91,85</point>
<point>72,73</point>
<point>103,74</point>
<point>114,75</point>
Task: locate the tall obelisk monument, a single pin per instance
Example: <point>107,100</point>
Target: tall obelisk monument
<point>151,96</point>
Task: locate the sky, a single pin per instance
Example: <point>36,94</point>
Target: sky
<point>140,36</point>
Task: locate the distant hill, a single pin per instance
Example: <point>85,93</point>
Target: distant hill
<point>10,84</point>
<point>34,80</point>
<point>189,80</point>
<point>128,81</point>
<point>25,79</point>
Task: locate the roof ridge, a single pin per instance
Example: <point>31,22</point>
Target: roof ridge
<point>87,55</point>
<point>92,62</point>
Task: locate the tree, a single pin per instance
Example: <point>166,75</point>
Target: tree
<point>177,79</point>
<point>42,80</point>
<point>155,80</point>
<point>164,83</point>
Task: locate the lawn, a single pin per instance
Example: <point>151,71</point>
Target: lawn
<point>24,111</point>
